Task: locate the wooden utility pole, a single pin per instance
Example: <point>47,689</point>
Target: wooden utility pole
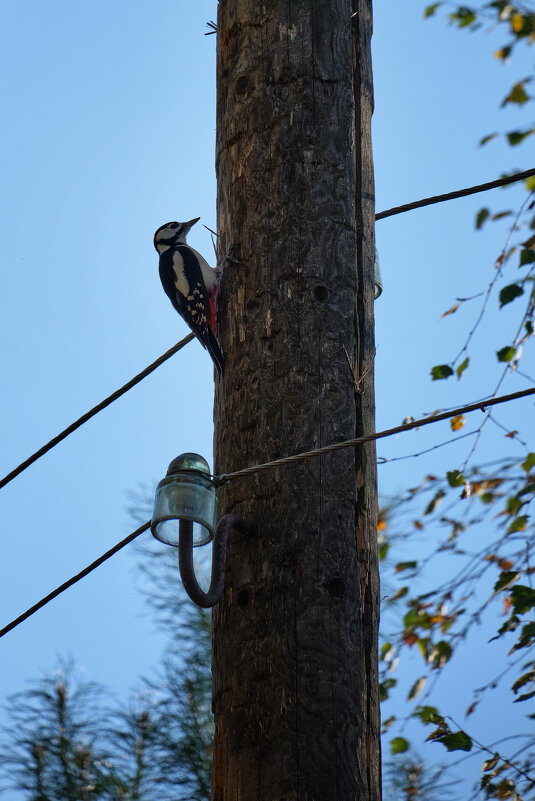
<point>295,635</point>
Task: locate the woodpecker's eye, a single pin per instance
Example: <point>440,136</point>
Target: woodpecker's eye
<point>173,225</point>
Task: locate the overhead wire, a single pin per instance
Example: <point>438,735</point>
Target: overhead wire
<point>223,477</point>
<point>95,410</point>
<point>249,470</point>
<point>471,190</point>
<point>349,443</point>
<point>65,586</point>
<point>117,394</point>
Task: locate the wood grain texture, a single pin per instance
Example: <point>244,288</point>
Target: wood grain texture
<point>295,635</point>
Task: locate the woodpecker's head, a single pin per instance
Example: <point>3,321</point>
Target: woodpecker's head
<point>172,234</point>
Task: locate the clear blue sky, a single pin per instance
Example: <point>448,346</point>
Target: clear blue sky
<point>109,131</point>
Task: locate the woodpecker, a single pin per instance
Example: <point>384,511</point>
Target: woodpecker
<point>190,284</point>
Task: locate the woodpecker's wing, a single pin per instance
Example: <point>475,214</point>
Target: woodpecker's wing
<point>183,283</point>
<point>167,277</point>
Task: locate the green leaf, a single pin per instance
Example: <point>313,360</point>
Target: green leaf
<point>424,646</point>
<point>510,625</point>
<point>523,598</point>
<point>529,463</point>
<point>487,497</point>
<point>509,293</point>
<point>527,257</point>
<point>441,654</point>
<point>525,697</point>
<point>384,687</point>
<point>405,566</point>
<point>464,17</point>
<point>432,505</point>
<point>386,648</point>
<point>482,215</point>
<point>527,678</point>
<point>518,524</point>
<point>517,137</point>
<point>529,183</point>
<point>399,745</point>
<point>506,580</point>
<point>456,741</point>
<point>428,714</point>
<point>488,138</point>
<point>455,478</point>
<point>462,367</point>
<point>441,371</point>
<point>514,505</point>
<point>500,215</point>
<point>491,763</point>
<point>416,617</point>
<point>431,10</point>
<point>526,639</point>
<point>383,550</point>
<point>506,354</point>
<point>517,95</point>
<point>416,688</point>
<point>397,595</point>
<point>503,53</point>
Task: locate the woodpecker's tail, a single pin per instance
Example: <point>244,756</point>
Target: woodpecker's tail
<point>214,350</point>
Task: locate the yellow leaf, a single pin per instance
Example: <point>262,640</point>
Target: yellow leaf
<point>452,310</point>
<point>457,422</point>
<point>381,525</point>
<point>517,22</point>
<point>418,524</point>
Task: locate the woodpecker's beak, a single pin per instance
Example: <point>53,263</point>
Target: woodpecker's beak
<point>190,224</point>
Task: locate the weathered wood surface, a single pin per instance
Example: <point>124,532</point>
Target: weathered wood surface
<point>295,635</point>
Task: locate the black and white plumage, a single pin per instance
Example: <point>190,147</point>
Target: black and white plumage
<point>191,284</point>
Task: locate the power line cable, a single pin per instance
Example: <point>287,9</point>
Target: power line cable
<point>92,412</point>
<point>472,190</point>
<point>221,478</point>
<point>65,586</point>
<point>519,176</point>
<point>288,460</point>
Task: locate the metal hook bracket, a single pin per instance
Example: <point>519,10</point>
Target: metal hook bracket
<point>219,558</point>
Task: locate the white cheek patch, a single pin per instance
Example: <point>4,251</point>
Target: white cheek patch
<point>180,277</point>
